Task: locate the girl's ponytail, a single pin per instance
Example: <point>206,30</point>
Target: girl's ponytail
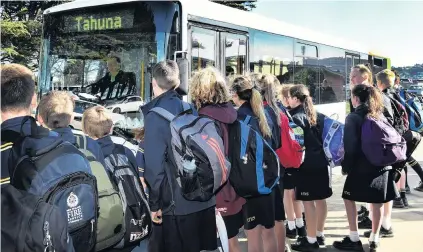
<point>258,109</point>
<point>301,93</point>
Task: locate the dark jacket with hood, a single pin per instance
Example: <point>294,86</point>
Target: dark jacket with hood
<point>315,160</point>
<point>160,170</point>
<point>354,158</point>
<point>227,201</point>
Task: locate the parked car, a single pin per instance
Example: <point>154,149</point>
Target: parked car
<point>416,89</point>
<point>128,104</point>
<point>81,105</point>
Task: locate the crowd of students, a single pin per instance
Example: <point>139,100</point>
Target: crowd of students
<point>190,226</point>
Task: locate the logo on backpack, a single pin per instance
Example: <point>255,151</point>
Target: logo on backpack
<point>74,212</point>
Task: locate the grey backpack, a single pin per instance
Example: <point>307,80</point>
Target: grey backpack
<point>110,225</point>
<point>198,152</point>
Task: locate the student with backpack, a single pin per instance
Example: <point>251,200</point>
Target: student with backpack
<point>286,153</point>
<point>210,95</point>
<point>19,229</point>
<point>258,211</point>
<point>295,224</point>
<point>55,111</point>
<point>188,225</point>
<point>365,182</point>
<point>313,185</point>
<point>123,171</point>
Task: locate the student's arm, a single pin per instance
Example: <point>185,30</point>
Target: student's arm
<point>154,156</point>
<point>351,142</point>
<point>141,163</point>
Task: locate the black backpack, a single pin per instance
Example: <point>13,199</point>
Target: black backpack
<point>137,215</point>
<point>60,174</point>
<point>30,224</point>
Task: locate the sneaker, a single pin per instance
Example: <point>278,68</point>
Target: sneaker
<point>321,240</point>
<point>302,244</point>
<point>348,245</point>
<point>398,203</point>
<point>363,210</point>
<point>363,215</point>
<point>291,234</point>
<point>366,223</point>
<point>420,187</point>
<point>373,246</point>
<point>302,232</point>
<point>385,233</point>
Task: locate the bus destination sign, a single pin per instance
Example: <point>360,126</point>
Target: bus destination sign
<point>99,21</point>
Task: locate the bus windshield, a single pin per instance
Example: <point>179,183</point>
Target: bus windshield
<point>105,53</point>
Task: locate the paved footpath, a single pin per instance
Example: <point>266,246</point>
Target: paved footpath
<point>407,223</point>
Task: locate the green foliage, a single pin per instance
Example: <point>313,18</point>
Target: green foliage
<point>242,5</point>
<point>21,31</point>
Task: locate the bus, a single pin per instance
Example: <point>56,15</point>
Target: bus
<point>85,41</point>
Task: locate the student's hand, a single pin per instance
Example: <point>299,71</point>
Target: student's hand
<point>144,185</point>
<point>156,217</point>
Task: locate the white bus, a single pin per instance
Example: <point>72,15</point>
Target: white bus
<point>84,40</point>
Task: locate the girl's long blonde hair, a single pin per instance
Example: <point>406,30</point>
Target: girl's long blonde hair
<point>244,88</point>
<point>268,85</point>
<point>208,86</point>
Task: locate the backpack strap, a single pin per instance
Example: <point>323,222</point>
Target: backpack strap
<point>163,113</point>
<point>81,141</point>
<point>247,119</point>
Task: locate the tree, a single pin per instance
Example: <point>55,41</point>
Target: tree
<point>21,31</point>
<point>242,5</point>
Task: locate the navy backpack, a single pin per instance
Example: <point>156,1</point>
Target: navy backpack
<point>57,171</point>
<point>255,165</point>
<point>413,106</point>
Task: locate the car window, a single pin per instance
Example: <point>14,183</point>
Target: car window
<point>80,107</point>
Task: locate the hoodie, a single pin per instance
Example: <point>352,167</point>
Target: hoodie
<point>227,201</point>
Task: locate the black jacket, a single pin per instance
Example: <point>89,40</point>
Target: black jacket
<point>354,158</point>
<point>315,160</point>
<point>159,160</point>
<point>388,111</point>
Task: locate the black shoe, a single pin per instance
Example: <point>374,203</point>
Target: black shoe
<point>366,223</point>
<point>373,246</point>
<point>347,244</point>
<point>407,189</point>
<point>302,232</point>
<point>291,234</point>
<point>398,203</point>
<point>420,187</point>
<point>363,215</point>
<point>385,233</point>
<point>362,210</point>
<point>321,240</point>
<point>405,201</point>
<point>305,224</point>
<point>302,244</point>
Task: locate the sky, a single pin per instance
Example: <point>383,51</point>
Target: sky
<point>391,28</point>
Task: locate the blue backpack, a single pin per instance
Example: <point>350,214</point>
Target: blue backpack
<point>255,165</point>
<point>48,167</point>
<point>332,139</point>
<point>414,108</point>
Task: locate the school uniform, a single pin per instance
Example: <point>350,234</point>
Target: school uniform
<point>365,182</point>
<point>313,178</point>
<point>258,210</point>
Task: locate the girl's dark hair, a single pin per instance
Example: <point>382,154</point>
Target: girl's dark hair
<point>371,97</point>
<point>301,92</point>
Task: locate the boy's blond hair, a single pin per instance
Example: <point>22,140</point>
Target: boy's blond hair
<point>56,109</point>
<point>386,77</point>
<point>97,122</point>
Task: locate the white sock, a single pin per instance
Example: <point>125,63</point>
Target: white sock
<point>291,225</point>
<point>354,237</point>
<point>320,234</point>
<point>299,222</point>
<point>311,240</point>
<point>386,223</point>
<point>374,237</point>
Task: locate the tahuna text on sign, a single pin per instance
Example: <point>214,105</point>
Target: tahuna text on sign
<point>98,24</point>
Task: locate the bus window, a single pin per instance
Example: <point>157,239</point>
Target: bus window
<point>235,54</point>
<point>203,48</point>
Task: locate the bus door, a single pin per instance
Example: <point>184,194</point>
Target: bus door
<point>234,53</point>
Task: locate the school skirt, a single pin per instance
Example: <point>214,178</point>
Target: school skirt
<point>370,187</point>
<point>289,179</point>
<point>313,184</point>
<point>259,211</point>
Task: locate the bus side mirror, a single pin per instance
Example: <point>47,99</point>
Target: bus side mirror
<point>183,75</point>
